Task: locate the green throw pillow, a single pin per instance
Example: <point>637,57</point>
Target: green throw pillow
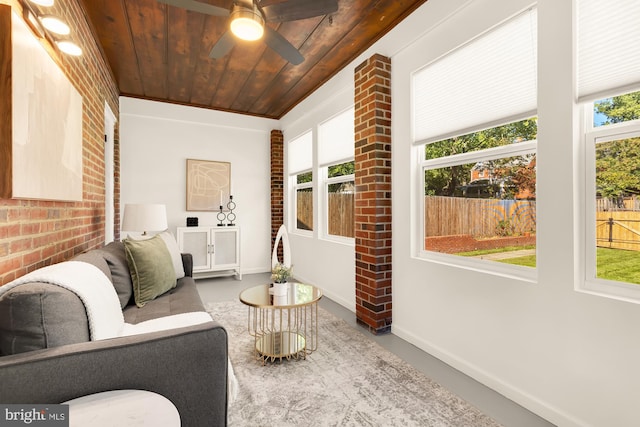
<point>151,268</point>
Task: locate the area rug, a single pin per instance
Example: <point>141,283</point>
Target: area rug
<point>349,381</point>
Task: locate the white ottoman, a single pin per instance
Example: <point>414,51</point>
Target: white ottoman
<point>123,408</point>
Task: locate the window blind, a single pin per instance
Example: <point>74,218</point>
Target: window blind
<point>336,139</point>
<point>300,153</point>
<point>608,48</point>
<point>489,81</point>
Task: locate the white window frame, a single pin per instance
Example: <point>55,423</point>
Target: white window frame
<point>527,274</point>
<point>293,184</point>
<point>589,283</point>
<point>326,181</point>
<point>298,164</point>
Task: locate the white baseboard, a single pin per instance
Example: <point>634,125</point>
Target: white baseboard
<point>521,397</point>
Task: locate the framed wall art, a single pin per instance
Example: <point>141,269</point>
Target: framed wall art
<point>41,110</point>
<point>208,185</point>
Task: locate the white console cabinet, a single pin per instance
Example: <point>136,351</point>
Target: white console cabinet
<point>215,250</point>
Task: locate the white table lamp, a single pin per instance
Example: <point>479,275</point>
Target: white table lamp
<point>142,217</point>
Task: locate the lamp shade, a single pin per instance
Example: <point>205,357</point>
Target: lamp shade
<point>142,217</point>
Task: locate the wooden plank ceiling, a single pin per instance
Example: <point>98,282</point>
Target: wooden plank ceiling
<point>161,52</point>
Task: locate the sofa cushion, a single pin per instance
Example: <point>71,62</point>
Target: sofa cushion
<point>40,315</point>
<point>184,298</point>
<point>174,251</point>
<point>116,259</point>
<point>151,268</point>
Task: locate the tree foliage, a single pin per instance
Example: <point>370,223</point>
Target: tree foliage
<point>448,181</point>
<point>618,162</point>
<point>619,108</point>
<point>618,168</point>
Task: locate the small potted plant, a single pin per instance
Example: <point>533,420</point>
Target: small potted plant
<point>279,274</point>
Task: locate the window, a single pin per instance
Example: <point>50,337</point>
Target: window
<point>304,201</point>
<point>608,59</point>
<point>479,194</point>
<point>475,132</point>
<point>613,196</point>
<point>335,157</point>
<point>301,181</point>
<point>340,187</point>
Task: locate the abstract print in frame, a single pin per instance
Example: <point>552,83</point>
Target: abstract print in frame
<point>46,113</point>
<point>208,185</point>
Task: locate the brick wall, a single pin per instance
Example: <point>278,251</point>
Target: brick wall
<point>373,193</point>
<point>277,186</point>
<point>36,233</point>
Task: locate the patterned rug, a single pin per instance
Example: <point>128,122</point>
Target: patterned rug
<point>349,381</point>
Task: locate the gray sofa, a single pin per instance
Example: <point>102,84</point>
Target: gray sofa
<point>55,361</point>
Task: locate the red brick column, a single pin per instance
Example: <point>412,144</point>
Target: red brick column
<point>277,185</point>
<point>373,193</point>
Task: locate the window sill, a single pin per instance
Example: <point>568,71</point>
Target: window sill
<point>346,241</point>
<point>613,290</point>
<point>519,273</point>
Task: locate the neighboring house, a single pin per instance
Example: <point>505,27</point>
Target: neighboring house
<point>491,180</point>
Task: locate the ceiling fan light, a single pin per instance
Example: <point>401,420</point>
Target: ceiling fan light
<point>247,24</point>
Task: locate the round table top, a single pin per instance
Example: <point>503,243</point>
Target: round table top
<point>122,408</point>
<point>297,294</point>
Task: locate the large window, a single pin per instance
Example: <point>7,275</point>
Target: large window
<point>300,159</point>
<point>335,158</point>
<point>480,192</point>
<point>613,195</point>
<point>475,132</point>
<point>608,60</point>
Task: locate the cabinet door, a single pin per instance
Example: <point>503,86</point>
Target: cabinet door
<point>225,248</point>
<point>196,241</point>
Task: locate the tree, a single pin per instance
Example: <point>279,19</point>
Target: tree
<point>445,181</point>
<point>620,108</point>
<point>618,168</point>
<point>618,162</point>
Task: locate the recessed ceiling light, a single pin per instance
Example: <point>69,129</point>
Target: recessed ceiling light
<point>45,3</point>
<point>55,25</point>
<point>69,48</point>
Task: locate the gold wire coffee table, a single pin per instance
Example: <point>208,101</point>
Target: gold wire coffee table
<point>283,326</point>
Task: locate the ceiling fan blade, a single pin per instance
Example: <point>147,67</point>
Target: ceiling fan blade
<point>223,45</point>
<point>275,41</point>
<point>293,10</point>
<point>196,6</point>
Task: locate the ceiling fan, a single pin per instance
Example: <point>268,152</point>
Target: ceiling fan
<point>248,18</point>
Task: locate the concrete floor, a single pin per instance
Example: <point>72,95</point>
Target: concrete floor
<point>490,402</point>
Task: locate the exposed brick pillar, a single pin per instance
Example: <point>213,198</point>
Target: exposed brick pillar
<point>277,185</point>
<point>373,193</point>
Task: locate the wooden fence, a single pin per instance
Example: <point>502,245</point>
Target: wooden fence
<point>619,230</point>
<point>445,216</point>
<point>341,211</point>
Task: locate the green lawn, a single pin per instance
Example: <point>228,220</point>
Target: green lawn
<point>613,264</point>
<point>496,250</point>
<point>527,261</point>
<point>618,264</point>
